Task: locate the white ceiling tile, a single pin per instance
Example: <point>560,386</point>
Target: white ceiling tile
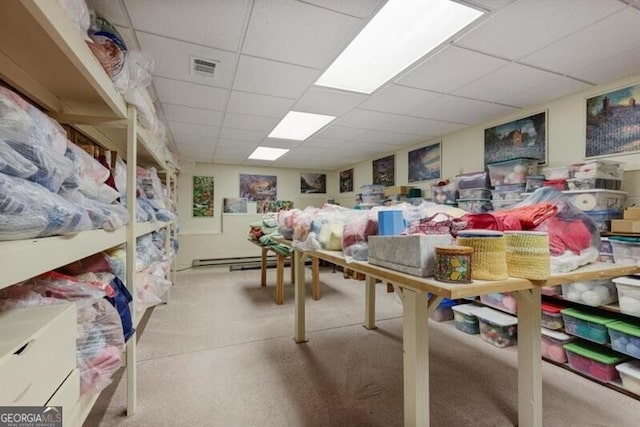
<point>111,10</point>
<point>364,119</point>
<point>449,69</point>
<point>273,78</point>
<point>179,113</point>
<point>611,69</point>
<point>526,26</point>
<point>232,144</point>
<point>359,9</point>
<point>242,134</point>
<point>184,140</point>
<point>209,23</point>
<point>460,110</point>
<point>490,5</point>
<point>298,33</point>
<point>544,92</point>
<point>193,129</point>
<point>129,38</point>
<point>397,99</point>
<point>328,143</point>
<point>341,132</point>
<point>258,105</point>
<point>173,59</point>
<point>384,137</point>
<point>190,94</point>
<point>243,121</point>
<point>611,36</point>
<point>279,143</point>
<point>328,101</point>
<point>506,81</point>
<point>419,126</point>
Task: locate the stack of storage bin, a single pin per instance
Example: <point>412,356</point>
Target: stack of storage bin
<point>445,193</point>
<point>474,192</point>
<point>509,179</point>
<point>593,187</point>
<point>370,196</point>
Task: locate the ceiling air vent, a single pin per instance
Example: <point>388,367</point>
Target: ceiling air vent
<point>203,67</point>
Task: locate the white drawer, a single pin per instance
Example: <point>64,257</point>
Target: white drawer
<point>37,352</point>
<point>67,396</point>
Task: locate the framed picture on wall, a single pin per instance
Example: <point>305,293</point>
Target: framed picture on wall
<point>613,122</point>
<point>203,197</point>
<point>256,188</point>
<point>346,180</point>
<point>425,163</point>
<point>265,206</point>
<point>526,137</point>
<point>234,205</point>
<point>384,170</point>
<point>313,183</point>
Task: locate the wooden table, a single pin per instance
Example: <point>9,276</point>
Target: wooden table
<point>417,308</point>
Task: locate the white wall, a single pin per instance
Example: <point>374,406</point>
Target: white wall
<point>462,152</point>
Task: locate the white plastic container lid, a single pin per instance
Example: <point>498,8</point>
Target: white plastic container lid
<point>560,336</point>
<point>496,317</point>
<point>468,309</point>
<point>626,281</point>
<point>630,368</point>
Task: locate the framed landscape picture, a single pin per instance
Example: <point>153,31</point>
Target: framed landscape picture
<point>313,183</point>
<point>384,170</point>
<point>234,205</point>
<point>346,180</point>
<point>613,122</point>
<point>256,188</point>
<point>526,137</point>
<point>424,163</point>
<point>202,197</point>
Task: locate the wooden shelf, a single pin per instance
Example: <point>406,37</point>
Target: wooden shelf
<point>143,228</point>
<point>23,259</point>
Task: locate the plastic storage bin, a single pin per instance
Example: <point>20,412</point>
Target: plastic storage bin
<point>466,319</point>
<point>504,301</point>
<point>602,219</point>
<point>474,193</point>
<point>603,169</point>
<point>552,316</point>
<point>473,180</point>
<point>475,205</point>
<point>504,204</point>
<point>589,326</point>
<point>596,361</point>
<point>591,292</point>
<point>534,182</point>
<point>445,194</point>
<point>625,338</point>
<point>508,192</point>
<point>558,184</point>
<point>497,328</point>
<point>626,250</point>
<point>551,290</point>
<point>597,200</point>
<point>390,223</point>
<point>552,345</point>
<point>630,376</point>
<point>444,311</point>
<point>557,172</point>
<point>628,295</point>
<point>513,171</point>
<point>593,183</point>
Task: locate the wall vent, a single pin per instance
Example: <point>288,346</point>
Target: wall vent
<point>203,67</point>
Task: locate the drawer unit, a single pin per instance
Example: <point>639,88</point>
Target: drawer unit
<point>37,353</point>
<point>67,396</point>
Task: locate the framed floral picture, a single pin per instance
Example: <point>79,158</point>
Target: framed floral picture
<point>384,170</point>
<point>613,122</point>
<point>203,196</point>
<point>424,163</point>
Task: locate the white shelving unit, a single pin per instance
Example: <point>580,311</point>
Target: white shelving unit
<point>43,56</point>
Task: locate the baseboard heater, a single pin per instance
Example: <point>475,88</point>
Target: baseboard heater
<point>241,263</point>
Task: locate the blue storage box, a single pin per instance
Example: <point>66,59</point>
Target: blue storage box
<point>390,223</point>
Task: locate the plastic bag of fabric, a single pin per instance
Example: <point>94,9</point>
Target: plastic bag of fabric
<point>13,163</point>
<point>86,166</point>
<point>95,263</point>
<point>107,45</point>
<point>102,215</point>
<point>356,233</point>
<point>78,12</point>
<point>149,290</point>
<point>326,228</point>
<point>28,210</point>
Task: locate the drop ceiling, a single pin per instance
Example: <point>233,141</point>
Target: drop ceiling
<point>269,53</point>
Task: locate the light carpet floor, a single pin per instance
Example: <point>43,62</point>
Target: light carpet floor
<point>221,353</point>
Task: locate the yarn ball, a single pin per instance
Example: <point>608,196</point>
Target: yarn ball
<point>582,287</point>
<point>630,305</point>
<point>633,350</point>
<point>544,347</point>
<point>573,295</point>
<point>510,303</point>
<point>603,293</point>
<point>557,353</point>
<point>591,298</point>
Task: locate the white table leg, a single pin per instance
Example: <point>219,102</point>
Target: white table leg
<point>370,304</point>
<point>299,290</point>
<point>415,344</point>
<point>529,359</point>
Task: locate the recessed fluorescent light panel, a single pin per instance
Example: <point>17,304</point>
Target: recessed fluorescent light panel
<point>402,32</point>
<point>267,153</point>
<point>299,126</point>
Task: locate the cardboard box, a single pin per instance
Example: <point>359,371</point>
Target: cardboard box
<point>632,213</point>
<point>625,226</point>
<point>398,189</point>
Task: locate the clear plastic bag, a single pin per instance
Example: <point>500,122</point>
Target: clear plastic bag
<point>107,45</point>
<point>12,163</point>
<point>103,215</point>
<point>78,12</point>
<point>28,210</point>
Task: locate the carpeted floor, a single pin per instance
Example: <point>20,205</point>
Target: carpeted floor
<point>221,353</point>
